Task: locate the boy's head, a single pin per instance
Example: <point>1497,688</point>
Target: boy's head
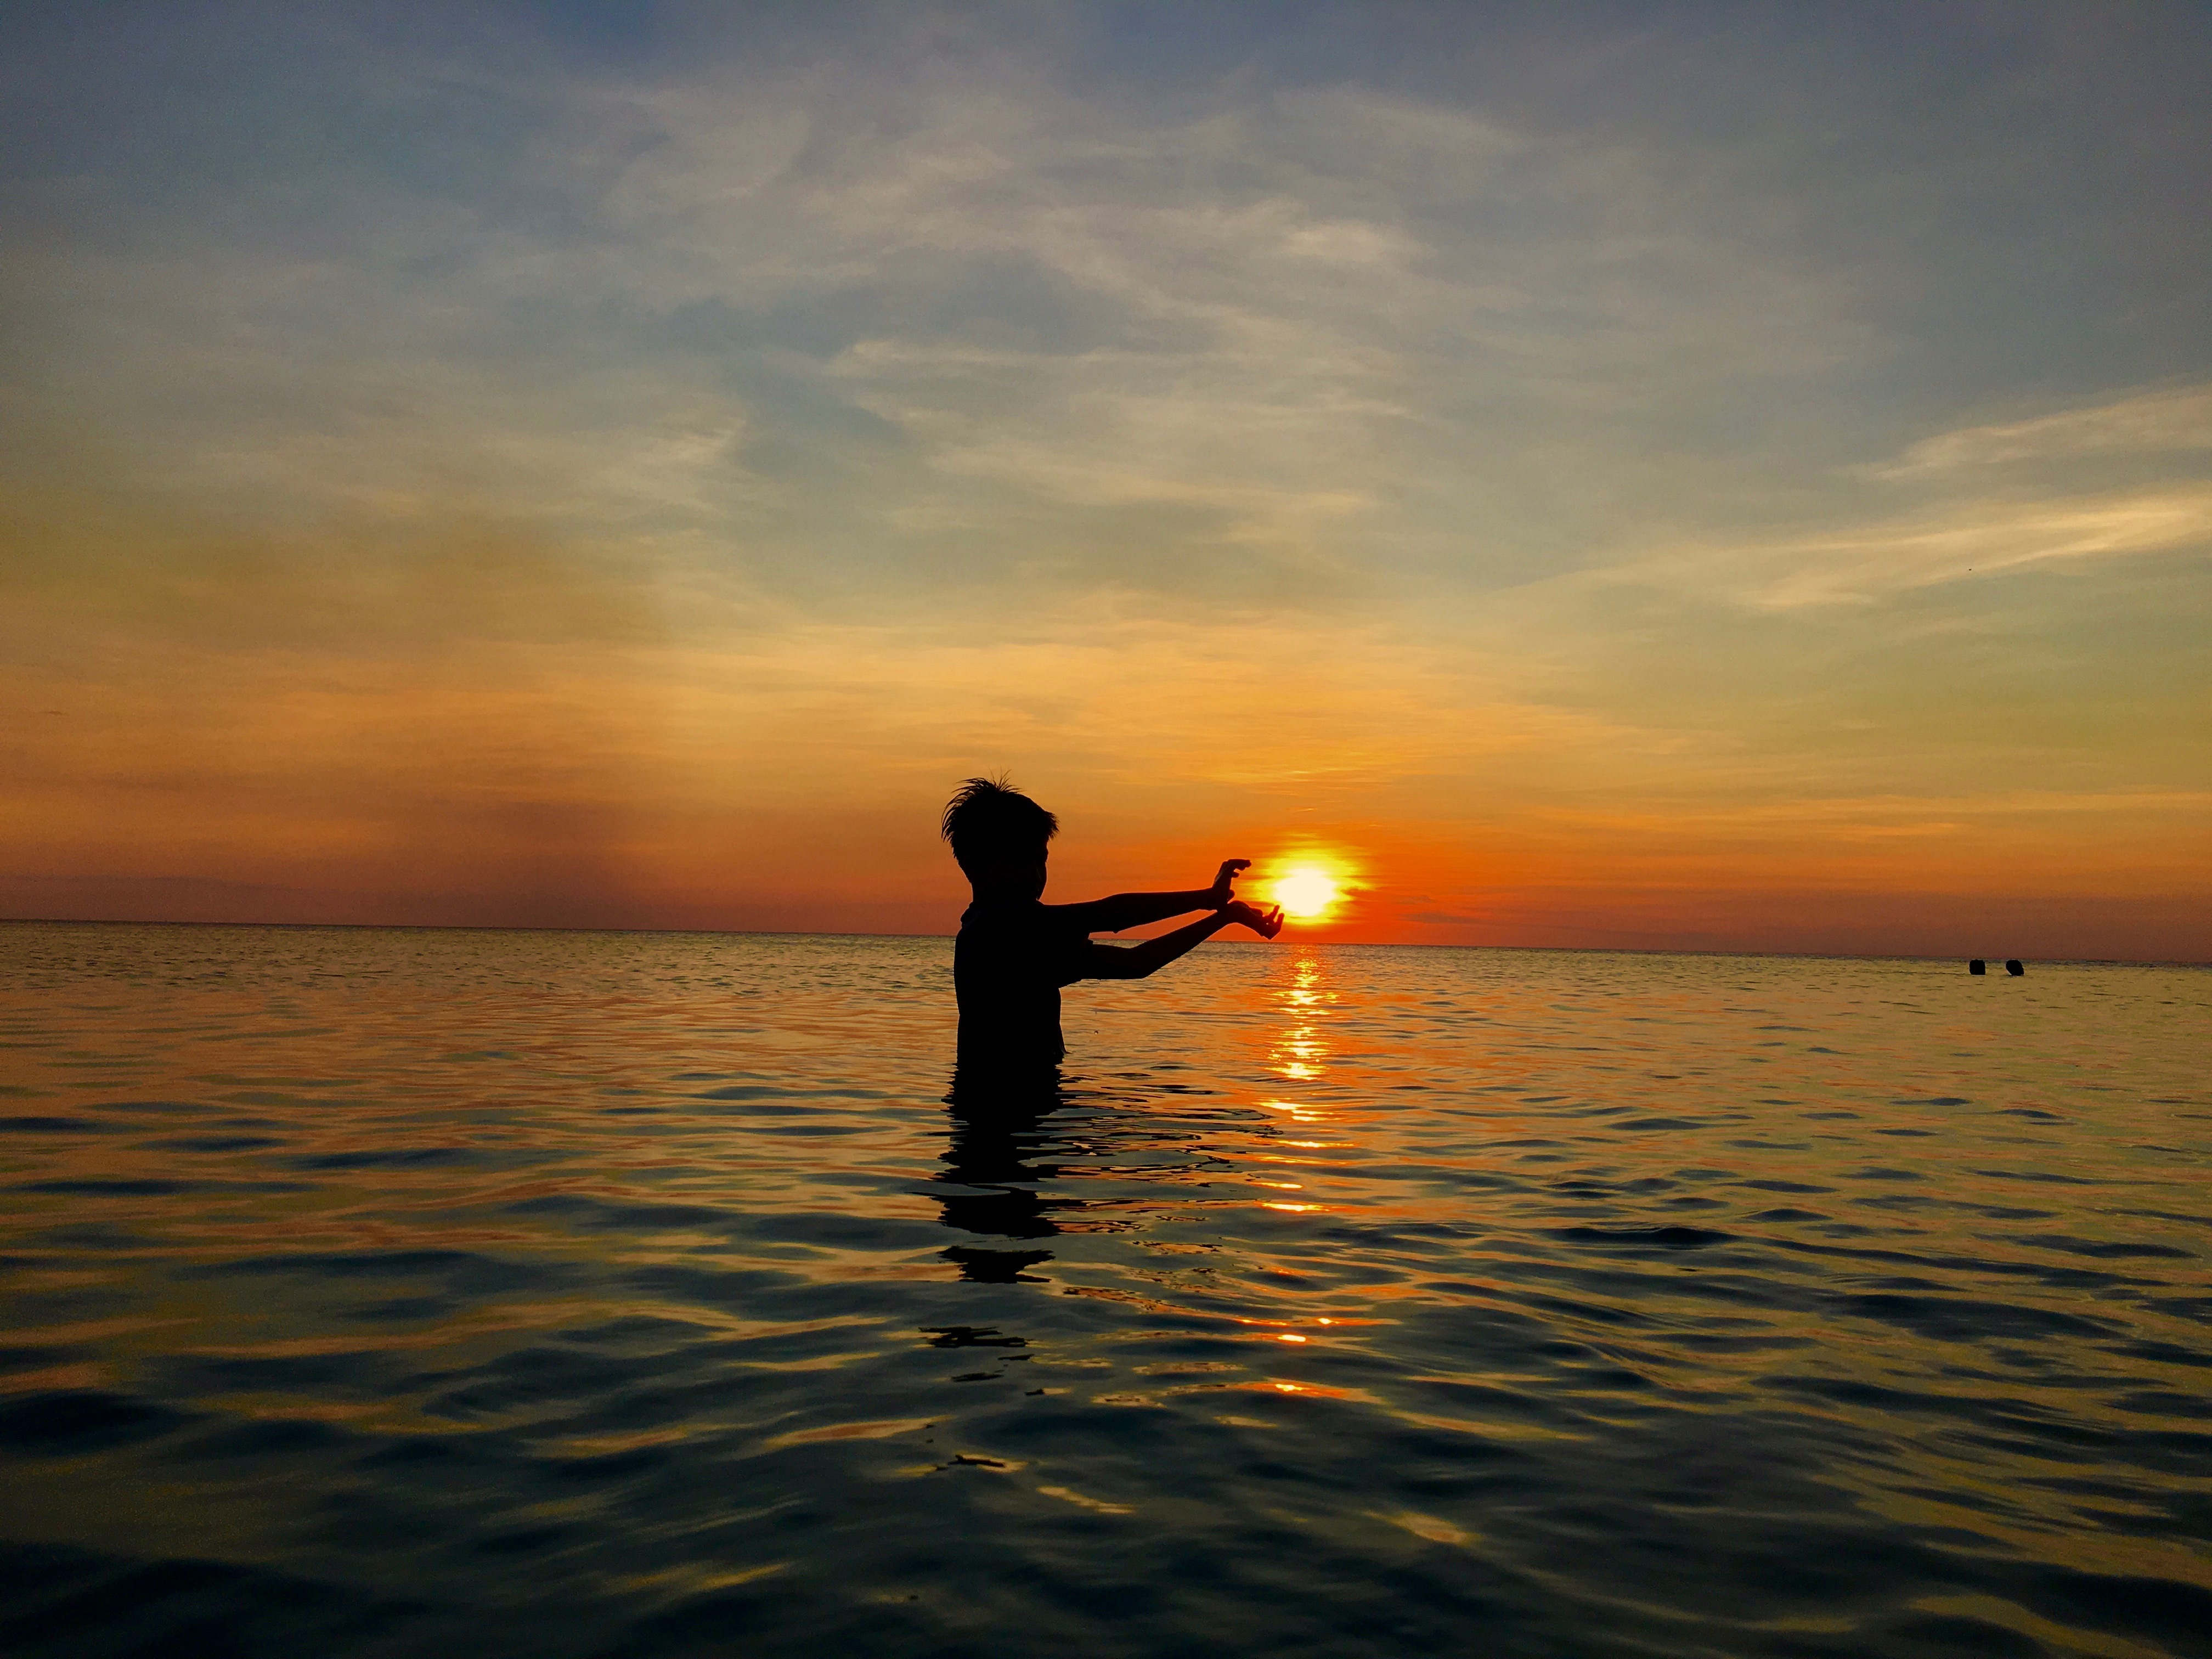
<point>999,835</point>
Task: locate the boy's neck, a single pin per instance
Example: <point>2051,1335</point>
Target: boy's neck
<point>1006,881</point>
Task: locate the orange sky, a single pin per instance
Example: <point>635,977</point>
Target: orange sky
<point>1578,522</point>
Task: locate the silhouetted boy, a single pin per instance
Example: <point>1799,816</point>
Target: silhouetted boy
<point>1014,952</point>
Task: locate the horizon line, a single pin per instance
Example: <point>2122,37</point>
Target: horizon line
<point>1365,944</point>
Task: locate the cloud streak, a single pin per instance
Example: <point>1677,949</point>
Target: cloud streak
<point>1864,566</point>
<point>2150,423</point>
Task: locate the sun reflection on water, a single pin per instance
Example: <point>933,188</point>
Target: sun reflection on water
<point>1300,1050</point>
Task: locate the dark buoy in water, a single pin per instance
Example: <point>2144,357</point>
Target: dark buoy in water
<point>2014,968</point>
<point>1977,966</point>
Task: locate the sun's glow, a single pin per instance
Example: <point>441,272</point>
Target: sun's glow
<point>1305,892</point>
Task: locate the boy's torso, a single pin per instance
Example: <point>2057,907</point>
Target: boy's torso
<point>1008,964</point>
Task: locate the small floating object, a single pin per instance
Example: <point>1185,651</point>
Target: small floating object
<point>2013,967</point>
<point>1977,966</point>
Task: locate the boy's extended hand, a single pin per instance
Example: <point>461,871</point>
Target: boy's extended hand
<point>1222,896</point>
<point>1266,923</point>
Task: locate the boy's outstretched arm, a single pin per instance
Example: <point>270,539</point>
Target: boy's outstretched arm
<point>1139,961</point>
<point>1120,910</point>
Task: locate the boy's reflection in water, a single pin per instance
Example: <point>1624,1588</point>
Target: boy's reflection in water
<point>997,1131</point>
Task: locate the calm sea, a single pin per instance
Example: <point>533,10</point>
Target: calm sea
<point>549,1294</point>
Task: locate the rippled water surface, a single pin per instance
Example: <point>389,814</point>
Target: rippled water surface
<point>474,1293</point>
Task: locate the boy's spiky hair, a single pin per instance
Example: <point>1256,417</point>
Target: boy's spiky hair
<point>989,820</point>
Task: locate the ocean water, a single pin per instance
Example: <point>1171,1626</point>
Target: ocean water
<point>546,1294</point>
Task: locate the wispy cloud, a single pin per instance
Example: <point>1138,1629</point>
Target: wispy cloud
<point>1865,565</point>
<point>2150,423</point>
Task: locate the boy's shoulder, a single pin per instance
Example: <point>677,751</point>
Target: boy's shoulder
<point>1021,918</point>
<point>982,918</point>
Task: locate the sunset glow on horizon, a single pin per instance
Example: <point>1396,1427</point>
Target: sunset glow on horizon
<point>1631,477</point>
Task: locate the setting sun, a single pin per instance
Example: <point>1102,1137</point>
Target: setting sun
<point>1305,893</point>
